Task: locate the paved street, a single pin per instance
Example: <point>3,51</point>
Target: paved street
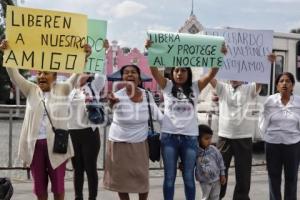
<point>259,188</point>
<point>23,186</point>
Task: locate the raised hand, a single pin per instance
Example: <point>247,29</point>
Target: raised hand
<point>3,45</point>
<point>88,51</point>
<point>224,49</point>
<point>272,57</point>
<point>105,44</point>
<point>148,44</point>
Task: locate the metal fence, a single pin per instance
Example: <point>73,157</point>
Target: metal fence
<point>11,119</point>
<point>9,113</point>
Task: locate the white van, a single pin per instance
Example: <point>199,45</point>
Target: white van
<point>286,47</point>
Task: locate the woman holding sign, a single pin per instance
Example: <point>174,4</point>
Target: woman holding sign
<point>279,125</point>
<point>84,134</point>
<point>37,137</point>
<point>180,126</point>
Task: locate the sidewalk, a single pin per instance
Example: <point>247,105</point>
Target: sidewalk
<point>259,188</point>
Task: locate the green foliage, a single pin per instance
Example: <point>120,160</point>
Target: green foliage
<point>1,32</point>
<point>4,82</point>
<point>4,79</point>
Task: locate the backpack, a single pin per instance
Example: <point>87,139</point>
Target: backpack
<point>6,189</point>
<point>95,110</point>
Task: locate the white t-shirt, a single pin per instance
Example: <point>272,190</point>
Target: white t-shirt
<point>79,116</point>
<point>43,124</point>
<point>233,106</point>
<point>130,119</point>
<point>180,115</point>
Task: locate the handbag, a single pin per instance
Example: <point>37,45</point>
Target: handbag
<point>95,110</point>
<point>6,189</point>
<point>61,137</point>
<point>153,137</point>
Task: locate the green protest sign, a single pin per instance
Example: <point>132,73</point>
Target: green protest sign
<point>96,36</point>
<point>184,50</point>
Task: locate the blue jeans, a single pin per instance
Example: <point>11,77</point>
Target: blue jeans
<point>185,147</point>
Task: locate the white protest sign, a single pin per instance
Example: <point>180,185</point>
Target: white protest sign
<point>247,57</point>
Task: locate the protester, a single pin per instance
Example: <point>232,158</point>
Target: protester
<point>180,124</point>
<point>279,125</point>
<point>234,138</point>
<point>210,169</point>
<point>37,136</point>
<point>85,135</point>
<point>127,156</point>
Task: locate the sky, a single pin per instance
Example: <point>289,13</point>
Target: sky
<point>129,20</point>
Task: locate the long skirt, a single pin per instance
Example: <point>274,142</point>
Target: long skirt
<point>126,167</point>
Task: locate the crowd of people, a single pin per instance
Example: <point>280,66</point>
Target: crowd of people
<point>126,167</point>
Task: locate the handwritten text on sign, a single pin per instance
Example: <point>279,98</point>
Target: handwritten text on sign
<point>96,37</point>
<point>246,59</point>
<point>185,50</point>
<point>45,40</point>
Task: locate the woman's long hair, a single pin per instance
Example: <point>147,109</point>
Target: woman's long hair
<point>138,71</point>
<point>186,87</point>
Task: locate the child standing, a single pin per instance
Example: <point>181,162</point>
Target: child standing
<point>210,169</point>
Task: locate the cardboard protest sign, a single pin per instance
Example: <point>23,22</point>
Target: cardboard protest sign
<point>96,35</point>
<point>246,59</point>
<point>184,50</point>
<point>45,40</point>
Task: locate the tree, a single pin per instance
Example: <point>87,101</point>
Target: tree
<point>4,79</point>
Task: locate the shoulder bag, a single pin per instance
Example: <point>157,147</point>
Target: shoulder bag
<point>61,137</point>
<point>153,136</point>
